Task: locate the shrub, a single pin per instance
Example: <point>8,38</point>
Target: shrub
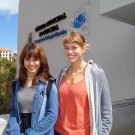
<point>7,74</point>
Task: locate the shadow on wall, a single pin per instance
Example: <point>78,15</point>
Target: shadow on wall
<point>123,117</point>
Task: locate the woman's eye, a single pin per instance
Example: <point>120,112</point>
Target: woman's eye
<point>66,48</point>
<point>74,47</point>
<point>26,59</point>
<point>36,59</point>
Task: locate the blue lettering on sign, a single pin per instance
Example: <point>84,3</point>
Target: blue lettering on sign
<point>79,20</point>
<point>51,36</point>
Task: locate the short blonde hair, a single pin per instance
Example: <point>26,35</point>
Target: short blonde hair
<point>76,37</point>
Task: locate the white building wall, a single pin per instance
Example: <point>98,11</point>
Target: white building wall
<point>112,42</point>
<point>7,54</point>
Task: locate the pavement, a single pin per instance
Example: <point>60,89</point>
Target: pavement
<point>3,122</point>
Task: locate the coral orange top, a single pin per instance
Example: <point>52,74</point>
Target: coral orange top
<point>73,118</point>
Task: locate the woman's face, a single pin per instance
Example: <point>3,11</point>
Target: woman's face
<point>32,65</point>
<point>73,51</point>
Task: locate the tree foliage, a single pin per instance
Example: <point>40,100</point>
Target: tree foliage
<point>7,74</point>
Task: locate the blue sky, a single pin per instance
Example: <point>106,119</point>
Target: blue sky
<point>9,24</point>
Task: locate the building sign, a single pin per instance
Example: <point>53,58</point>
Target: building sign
<point>46,33</point>
<point>30,37</point>
<point>80,19</point>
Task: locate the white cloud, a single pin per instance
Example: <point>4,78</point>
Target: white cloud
<point>9,7</point>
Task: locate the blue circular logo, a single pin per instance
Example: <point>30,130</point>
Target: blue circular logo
<point>80,19</point>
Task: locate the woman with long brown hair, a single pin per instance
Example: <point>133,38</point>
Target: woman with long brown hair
<point>33,110</point>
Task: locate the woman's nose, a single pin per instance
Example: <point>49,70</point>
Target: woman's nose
<point>31,61</point>
<point>70,51</point>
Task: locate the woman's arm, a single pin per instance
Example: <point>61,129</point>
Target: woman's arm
<point>47,122</point>
<point>106,107</point>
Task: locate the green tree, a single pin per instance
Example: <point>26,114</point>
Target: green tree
<point>7,74</point>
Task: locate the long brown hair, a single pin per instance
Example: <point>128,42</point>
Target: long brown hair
<point>35,50</point>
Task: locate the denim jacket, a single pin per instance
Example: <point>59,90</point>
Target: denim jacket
<point>44,111</point>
